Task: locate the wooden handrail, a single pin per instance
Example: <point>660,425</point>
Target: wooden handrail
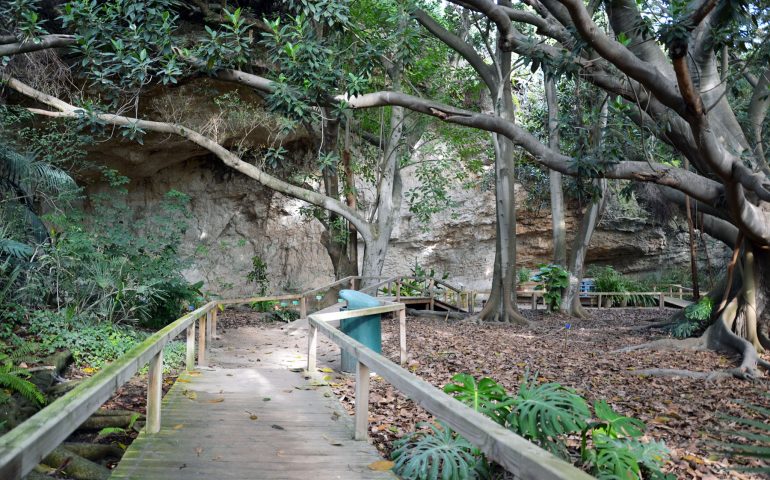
<point>519,456</point>
<point>25,446</point>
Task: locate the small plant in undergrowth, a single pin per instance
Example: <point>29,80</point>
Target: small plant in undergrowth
<point>546,414</point>
<point>14,377</point>
<point>107,431</point>
<point>553,279</point>
<point>750,437</point>
<point>437,448</point>
<point>524,275</point>
<point>265,306</point>
<point>607,279</point>
<point>284,315</point>
<point>696,318</point>
<point>415,286</point>
<point>258,275</point>
<point>93,344</point>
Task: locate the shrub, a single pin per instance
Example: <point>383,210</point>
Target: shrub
<point>553,279</point>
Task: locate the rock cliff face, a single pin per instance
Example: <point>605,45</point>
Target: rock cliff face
<point>234,218</point>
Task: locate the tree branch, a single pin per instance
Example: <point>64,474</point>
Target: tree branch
<point>42,43</point>
<point>701,188</point>
<point>485,71</point>
<point>227,157</point>
<point>497,14</point>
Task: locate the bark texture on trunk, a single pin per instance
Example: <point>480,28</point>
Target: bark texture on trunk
<point>555,178</point>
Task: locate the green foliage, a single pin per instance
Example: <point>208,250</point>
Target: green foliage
<point>553,279</point>
<point>697,317</point>
<point>547,413</point>
<point>258,275</point>
<point>285,315</point>
<point>751,432</point>
<point>524,274</point>
<point>93,344</point>
<point>107,431</point>
<point>14,378</point>
<point>227,47</point>
<point>437,454</point>
<point>485,396</point>
<point>542,413</point>
<point>126,44</point>
<point>266,306</point>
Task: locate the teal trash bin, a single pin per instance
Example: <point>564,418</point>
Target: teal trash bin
<point>367,329</point>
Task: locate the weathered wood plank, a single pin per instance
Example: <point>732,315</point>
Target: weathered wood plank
<point>219,424</point>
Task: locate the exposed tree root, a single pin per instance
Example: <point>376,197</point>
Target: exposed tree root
<point>76,466</point>
<point>674,372</point>
<point>98,422</point>
<point>434,314</point>
<point>94,451</point>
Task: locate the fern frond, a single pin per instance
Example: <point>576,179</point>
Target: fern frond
<point>23,387</point>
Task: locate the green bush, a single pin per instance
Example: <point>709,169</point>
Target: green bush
<point>553,279</point>
<point>93,344</point>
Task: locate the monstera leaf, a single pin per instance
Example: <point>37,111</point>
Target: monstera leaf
<point>437,454</point>
<point>543,412</point>
<point>485,396</point>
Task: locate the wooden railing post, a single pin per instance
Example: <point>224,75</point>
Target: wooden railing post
<point>190,353</point>
<point>432,293</point>
<point>154,393</point>
<point>362,402</point>
<point>661,301</point>
<point>402,335</point>
<point>202,341</point>
<point>312,346</point>
<point>599,303</point>
<point>214,313</point>
<point>302,307</point>
<point>209,336</point>
<point>398,289</point>
<point>353,283</point>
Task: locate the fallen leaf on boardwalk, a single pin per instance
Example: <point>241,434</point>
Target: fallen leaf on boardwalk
<point>277,427</point>
<point>266,399</point>
<point>381,465</point>
<point>178,426</point>
<point>297,370</point>
<point>326,370</point>
<point>182,380</point>
<point>216,400</point>
<point>335,416</point>
<point>328,377</point>
<point>198,451</point>
<point>189,394</point>
<point>334,443</point>
<point>217,458</point>
<point>194,373</point>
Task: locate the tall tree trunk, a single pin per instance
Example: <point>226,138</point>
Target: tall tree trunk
<point>570,301</point>
<point>555,178</point>
<point>501,305</point>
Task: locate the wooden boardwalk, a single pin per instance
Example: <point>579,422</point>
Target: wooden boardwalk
<point>250,423</point>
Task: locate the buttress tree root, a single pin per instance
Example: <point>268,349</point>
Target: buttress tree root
<point>739,321</point>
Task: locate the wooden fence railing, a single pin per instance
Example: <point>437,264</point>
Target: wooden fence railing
<point>431,288</point>
<point>519,456</point>
<point>25,446</point>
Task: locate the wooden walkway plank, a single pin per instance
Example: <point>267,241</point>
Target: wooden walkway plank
<point>258,423</point>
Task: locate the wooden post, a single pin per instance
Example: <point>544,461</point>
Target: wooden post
<point>154,393</point>
<point>312,346</point>
<point>190,353</point>
<point>362,402</point>
<point>398,289</point>
<point>431,292</point>
<point>661,302</point>
<point>209,337</point>
<point>681,293</point>
<point>214,313</point>
<point>402,334</point>
<point>353,283</point>
<point>202,341</point>
<point>599,305</point>
<point>302,307</point>
<point>534,300</point>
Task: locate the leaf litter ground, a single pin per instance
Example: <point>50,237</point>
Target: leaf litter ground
<point>686,413</point>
